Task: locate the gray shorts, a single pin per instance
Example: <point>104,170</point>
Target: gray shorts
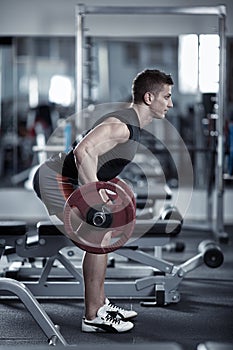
<point>52,188</point>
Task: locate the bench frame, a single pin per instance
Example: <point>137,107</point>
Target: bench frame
<point>161,285</point>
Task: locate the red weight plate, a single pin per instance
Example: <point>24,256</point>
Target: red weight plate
<point>96,239</point>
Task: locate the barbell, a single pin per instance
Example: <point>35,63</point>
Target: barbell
<point>103,227</point>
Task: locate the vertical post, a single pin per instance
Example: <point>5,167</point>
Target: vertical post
<point>80,12</point>
<point>219,181</point>
<point>14,127</point>
<point>1,65</point>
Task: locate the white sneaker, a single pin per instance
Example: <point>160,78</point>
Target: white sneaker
<point>121,313</point>
<point>106,321</point>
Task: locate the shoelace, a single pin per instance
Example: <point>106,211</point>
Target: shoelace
<point>115,306</point>
<point>112,318</point>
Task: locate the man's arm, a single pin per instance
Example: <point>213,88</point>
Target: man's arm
<point>98,141</point>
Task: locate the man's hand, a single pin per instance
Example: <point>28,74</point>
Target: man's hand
<point>104,196</point>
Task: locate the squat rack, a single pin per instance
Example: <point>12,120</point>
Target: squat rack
<point>216,225</point>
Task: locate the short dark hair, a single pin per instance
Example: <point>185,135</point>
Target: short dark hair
<point>147,81</point>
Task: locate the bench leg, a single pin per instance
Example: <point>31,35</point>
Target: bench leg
<point>65,262</point>
<point>32,305</point>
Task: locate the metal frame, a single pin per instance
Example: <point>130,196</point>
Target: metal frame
<point>40,316</point>
<point>68,283</point>
<point>120,282</point>
<point>82,11</point>
<point>220,12</point>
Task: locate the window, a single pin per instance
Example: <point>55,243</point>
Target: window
<point>198,63</point>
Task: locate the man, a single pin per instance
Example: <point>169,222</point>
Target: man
<point>100,156</point>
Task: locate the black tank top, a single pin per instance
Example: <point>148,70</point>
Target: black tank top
<point>111,163</point>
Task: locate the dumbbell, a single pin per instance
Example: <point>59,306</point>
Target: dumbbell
<point>178,247</point>
<point>212,254</point>
<point>98,219</point>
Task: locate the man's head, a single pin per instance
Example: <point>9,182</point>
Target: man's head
<point>149,80</point>
<point>152,89</point>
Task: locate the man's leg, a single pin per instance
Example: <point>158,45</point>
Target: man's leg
<point>94,270</point>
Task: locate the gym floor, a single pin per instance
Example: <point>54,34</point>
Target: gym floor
<point>204,313</point>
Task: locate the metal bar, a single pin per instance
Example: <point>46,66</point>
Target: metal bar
<point>219,182</point>
<point>146,259</point>
<point>153,10</point>
<point>69,267</point>
<point>15,105</point>
<point>170,282</point>
<point>74,290</point>
<point>1,68</point>
<point>79,64</point>
<point>46,270</point>
<point>32,306</point>
<point>192,263</point>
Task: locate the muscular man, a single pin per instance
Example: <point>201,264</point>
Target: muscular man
<point>100,156</point>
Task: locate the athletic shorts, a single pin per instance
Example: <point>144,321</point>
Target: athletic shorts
<point>52,188</point>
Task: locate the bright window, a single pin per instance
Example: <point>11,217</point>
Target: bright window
<point>61,90</point>
<point>199,63</point>
<point>188,63</point>
<point>209,63</point>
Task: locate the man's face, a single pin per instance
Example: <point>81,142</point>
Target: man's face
<point>161,102</point>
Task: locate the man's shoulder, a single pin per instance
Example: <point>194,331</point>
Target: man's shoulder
<point>126,115</point>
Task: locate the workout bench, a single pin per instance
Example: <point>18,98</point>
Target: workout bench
<point>161,285</point>
<point>13,233</point>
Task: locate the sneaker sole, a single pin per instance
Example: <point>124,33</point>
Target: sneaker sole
<point>127,318</point>
<point>91,329</point>
<point>102,328</point>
